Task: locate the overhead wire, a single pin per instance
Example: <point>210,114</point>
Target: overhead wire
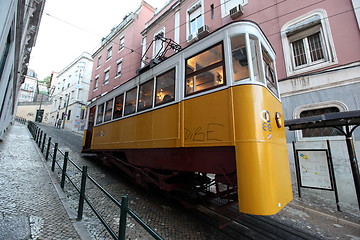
<point>76,26</point>
<point>186,22</point>
<point>279,32</point>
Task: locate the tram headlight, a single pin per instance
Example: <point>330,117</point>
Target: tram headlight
<point>279,121</point>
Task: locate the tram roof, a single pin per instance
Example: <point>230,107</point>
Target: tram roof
<point>336,119</point>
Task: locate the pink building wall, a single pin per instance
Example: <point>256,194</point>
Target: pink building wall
<point>130,54</point>
<point>271,15</point>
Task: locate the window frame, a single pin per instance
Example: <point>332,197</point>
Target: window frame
<point>97,114</point>
<point>107,110</point>
<point>135,102</point>
<point>307,49</point>
<point>122,109</point>
<point>225,10</point>
<point>193,8</point>
<point>195,22</point>
<point>109,53</point>
<point>156,51</point>
<point>96,82</point>
<point>321,105</point>
<point>140,96</point>
<point>156,88</point>
<point>220,63</point>
<point>119,62</point>
<point>305,26</point>
<point>270,72</point>
<point>106,76</point>
<point>121,43</point>
<point>98,62</point>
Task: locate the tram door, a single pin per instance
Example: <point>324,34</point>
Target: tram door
<point>90,127</point>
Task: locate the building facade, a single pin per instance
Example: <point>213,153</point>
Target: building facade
<point>69,94</point>
<point>33,89</point>
<point>317,67</point>
<point>28,89</point>
<point>19,25</point>
<point>118,58</point>
<point>31,111</point>
<point>35,93</point>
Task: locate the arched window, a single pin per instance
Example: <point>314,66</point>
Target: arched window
<point>315,110</point>
<point>307,43</point>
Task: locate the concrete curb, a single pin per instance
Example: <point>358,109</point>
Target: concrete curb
<point>334,218</point>
<point>79,226</point>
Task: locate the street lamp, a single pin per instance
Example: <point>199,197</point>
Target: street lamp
<point>66,110</point>
<point>39,114</point>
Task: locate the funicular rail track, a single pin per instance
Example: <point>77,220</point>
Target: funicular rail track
<point>223,216</point>
<point>244,227</point>
<point>247,226</point>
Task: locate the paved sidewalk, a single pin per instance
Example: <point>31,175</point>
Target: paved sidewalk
<point>30,204</point>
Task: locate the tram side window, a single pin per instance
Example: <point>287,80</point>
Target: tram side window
<point>108,110</point>
<point>130,101</point>
<point>100,114</point>
<point>146,95</point>
<point>239,58</point>
<point>165,87</point>
<point>118,106</point>
<point>255,55</point>
<point>270,73</point>
<point>205,70</point>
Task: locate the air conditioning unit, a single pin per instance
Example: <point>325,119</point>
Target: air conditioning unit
<point>192,38</point>
<point>236,11</point>
<point>203,31</point>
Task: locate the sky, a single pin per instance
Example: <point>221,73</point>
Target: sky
<point>70,27</point>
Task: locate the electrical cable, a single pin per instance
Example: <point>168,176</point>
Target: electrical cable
<point>312,4</point>
<point>185,23</point>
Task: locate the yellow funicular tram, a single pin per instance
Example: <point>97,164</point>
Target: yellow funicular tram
<point>210,112</point>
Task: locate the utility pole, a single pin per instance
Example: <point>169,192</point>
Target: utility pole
<point>39,116</point>
<point>66,110</point>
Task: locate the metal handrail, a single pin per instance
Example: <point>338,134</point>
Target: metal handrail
<point>37,136</point>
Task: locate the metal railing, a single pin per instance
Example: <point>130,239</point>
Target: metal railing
<point>51,150</point>
<point>21,120</point>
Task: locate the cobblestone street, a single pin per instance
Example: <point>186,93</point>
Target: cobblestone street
<point>33,206</point>
<point>29,204</point>
<point>168,218</point>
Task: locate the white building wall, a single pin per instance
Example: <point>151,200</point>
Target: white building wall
<point>339,88</point>
<point>27,110</point>
<point>17,37</point>
<point>8,10</point>
<point>71,92</point>
<point>28,90</point>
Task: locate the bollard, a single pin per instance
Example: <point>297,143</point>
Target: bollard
<point>48,149</point>
<point>62,184</point>
<point>43,143</point>
<point>37,135</point>
<point>37,132</point>
<point>54,157</point>
<point>82,193</point>
<point>39,143</point>
<point>124,209</point>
